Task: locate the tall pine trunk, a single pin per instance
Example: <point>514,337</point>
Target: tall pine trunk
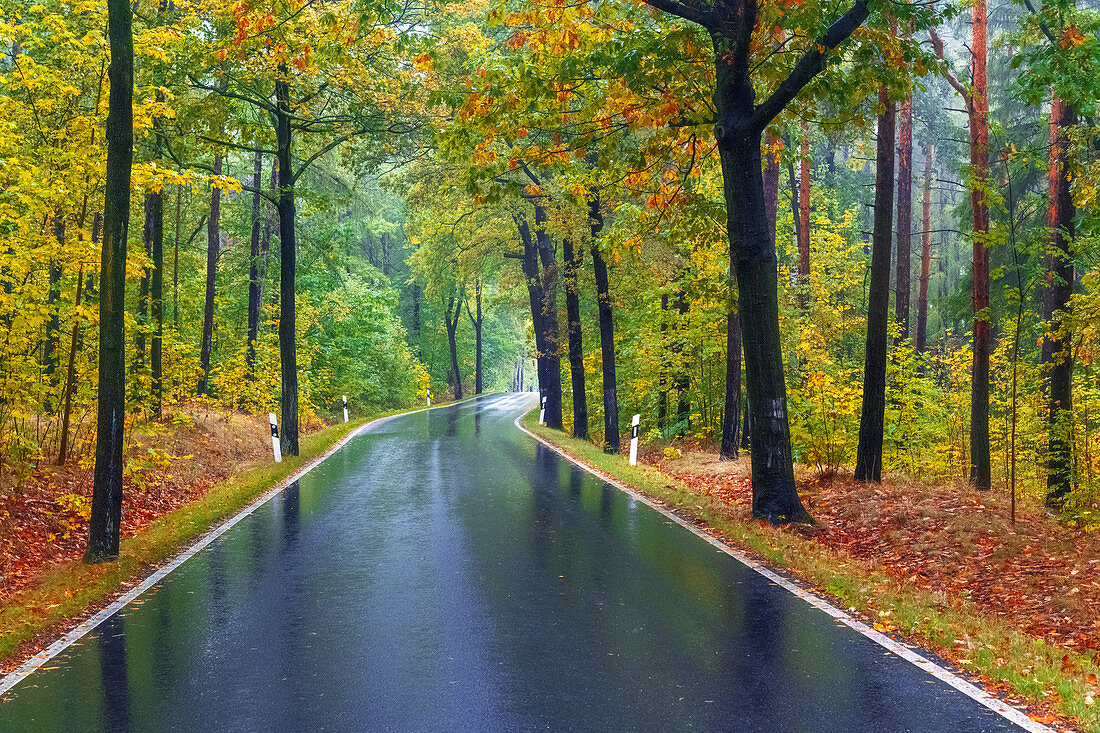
<point>213,242</point>
<point>607,329</point>
<point>572,260</point>
<point>869,451</point>
<point>925,252</point>
<point>106,511</point>
<point>902,284</point>
<point>980,470</point>
<point>1057,357</point>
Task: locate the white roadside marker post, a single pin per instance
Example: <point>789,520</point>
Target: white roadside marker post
<point>542,412</point>
<point>275,438</point>
<point>634,440</point>
<point>429,398</point>
<point>345,408</point>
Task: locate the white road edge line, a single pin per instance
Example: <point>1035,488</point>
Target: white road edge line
<point>970,690</point>
<point>28,667</point>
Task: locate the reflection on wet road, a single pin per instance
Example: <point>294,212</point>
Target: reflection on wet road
<point>446,572</point>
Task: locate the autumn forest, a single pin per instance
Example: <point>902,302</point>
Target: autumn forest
<point>841,237</point>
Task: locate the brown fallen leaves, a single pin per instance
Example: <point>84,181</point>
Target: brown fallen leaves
<point>1039,575</point>
<point>43,518</point>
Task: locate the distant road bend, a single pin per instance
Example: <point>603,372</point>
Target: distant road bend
<point>444,571</point>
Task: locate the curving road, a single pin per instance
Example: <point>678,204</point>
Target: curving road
<point>444,571</point>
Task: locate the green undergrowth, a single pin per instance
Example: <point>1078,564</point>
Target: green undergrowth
<point>73,589</point>
<point>1023,666</point>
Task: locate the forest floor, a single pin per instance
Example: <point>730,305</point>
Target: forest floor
<point>44,514</point>
<point>183,476</point>
<point>1014,607</point>
<point>1038,574</point>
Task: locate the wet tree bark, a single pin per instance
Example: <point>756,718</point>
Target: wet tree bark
<point>154,223</point>
<point>477,319</point>
<point>551,339</point>
<point>741,122</point>
<point>572,260</point>
<point>869,450</point>
<point>288,262</point>
<point>106,510</point>
<point>452,310</point>
<point>1057,357</point>
<point>534,293</point>
<point>902,283</point>
<point>213,242</point>
<point>607,330</point>
<point>254,282</point>
<point>804,219</point>
<point>925,253</point>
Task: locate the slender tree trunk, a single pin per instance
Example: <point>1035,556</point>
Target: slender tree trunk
<point>477,319</point>
<point>869,451</point>
<point>141,321</point>
<point>925,252</point>
<point>905,216</point>
<point>106,511</point>
<point>70,373</point>
<point>663,367</point>
<point>176,261</point>
<point>154,222</point>
<point>980,470</point>
<point>550,318</point>
<point>1057,355</point>
<point>213,242</point>
<point>254,284</point>
<point>607,329</point>
<point>53,325</point>
<point>572,259</point>
<point>804,219</point>
<point>288,259</point>
<point>683,379</point>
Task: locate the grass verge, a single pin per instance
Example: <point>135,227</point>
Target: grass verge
<point>74,589</point>
<point>1050,683</point>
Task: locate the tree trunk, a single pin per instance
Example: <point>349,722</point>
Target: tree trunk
<point>980,470</point>
<point>550,318</point>
<point>255,292</point>
<point>925,252</point>
<point>106,510</point>
<point>902,284</point>
<point>752,252</point>
<point>572,258</point>
<point>607,330</point>
<point>804,219</point>
<point>683,379</point>
<point>534,293</point>
<point>477,319</point>
<point>1057,355</point>
<point>70,373</point>
<point>176,261</point>
<point>288,254</point>
<point>154,219</point>
<point>53,325</point>
<point>872,414</point>
<point>450,319</point>
<point>213,242</point>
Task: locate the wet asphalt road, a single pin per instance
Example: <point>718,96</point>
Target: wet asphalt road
<point>446,572</point>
